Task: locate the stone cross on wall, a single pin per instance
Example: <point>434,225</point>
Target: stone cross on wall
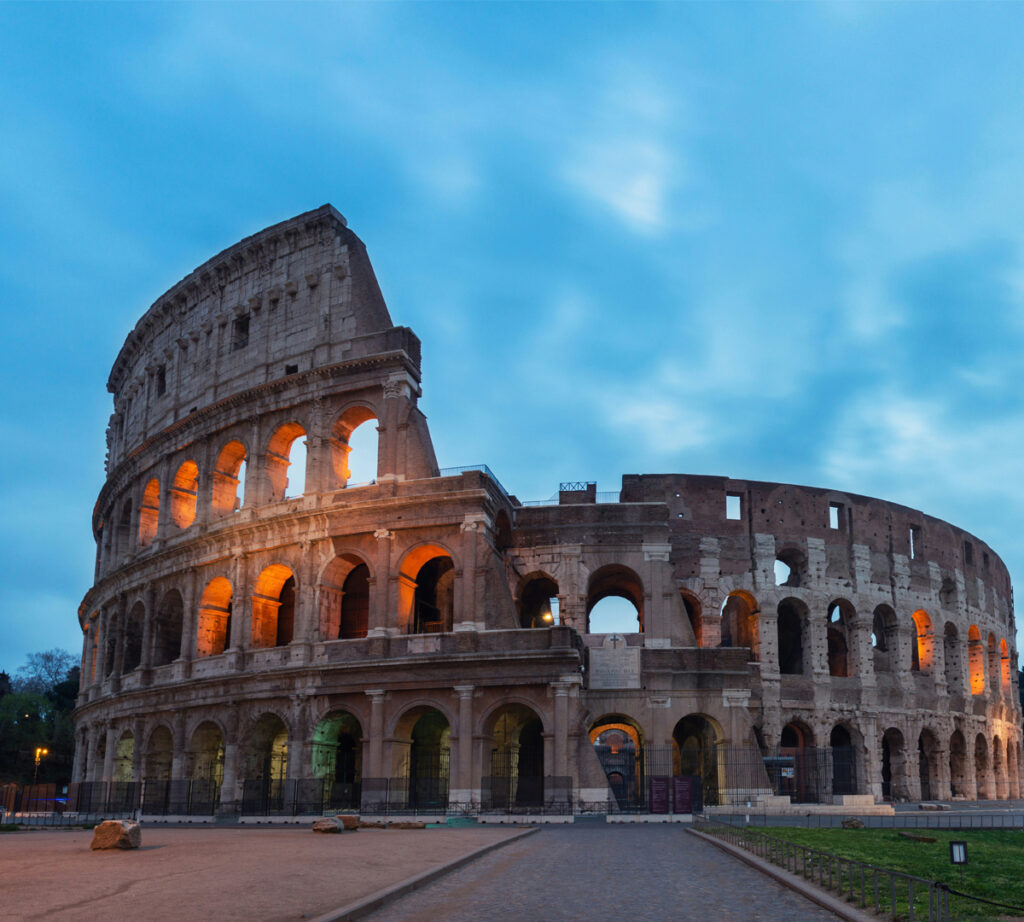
<point>615,640</point>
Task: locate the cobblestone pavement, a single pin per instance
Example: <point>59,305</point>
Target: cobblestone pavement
<point>594,870</point>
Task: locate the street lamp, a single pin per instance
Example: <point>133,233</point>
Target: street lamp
<point>40,752</point>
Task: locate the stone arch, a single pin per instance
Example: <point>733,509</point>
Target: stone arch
<point>959,776</point>
<point>740,622</point>
<point>696,741</point>
<point>537,600</point>
<point>227,478</point>
<point>999,779</point>
<point>1013,778</point>
<point>884,638</point>
<point>842,650</point>
<point>1004,667</point>
<point>844,747</point>
<point>265,749</point>
<point>928,759</point>
<point>338,757</point>
<point>992,676</point>
<point>149,513</point>
<point>421,755</point>
<point>273,607</point>
<point>206,753</point>
<point>615,581</point>
<point>282,479</point>
<point>976,660</point>
<point>618,742</point>
<point>981,773</point>
<point>426,590</point>
<point>124,529</point>
<point>156,765</point>
<point>124,756</point>
<point>167,627</point>
<point>951,658</point>
<point>213,630</point>
<point>341,450</point>
<point>184,493</point>
<point>790,566</point>
<point>923,649</point>
<point>133,630</point>
<point>514,740</point>
<point>792,633</point>
<point>694,612</point>
<point>895,770</point>
<point>345,598</point>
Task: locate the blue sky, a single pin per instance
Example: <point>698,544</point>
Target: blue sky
<point>772,241</point>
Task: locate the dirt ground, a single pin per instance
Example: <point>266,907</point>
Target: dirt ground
<point>202,874</point>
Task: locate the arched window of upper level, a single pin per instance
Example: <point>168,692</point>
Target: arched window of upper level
<point>841,650</point>
<point>951,658</point>
<point>184,491</point>
<point>426,590</point>
<point>213,632</point>
<point>993,662</point>
<point>273,607</point>
<point>615,599</point>
<point>149,513</point>
<point>133,629</point>
<point>354,447</point>
<point>792,626</point>
<point>923,649</point>
<point>693,608</point>
<point>345,598</point>
<point>884,638</point>
<point>740,622</point>
<point>1004,660</point>
<point>790,567</point>
<point>538,602</point>
<point>286,462</point>
<point>124,529</point>
<point>167,625</point>
<point>976,660</point>
<point>228,486</point>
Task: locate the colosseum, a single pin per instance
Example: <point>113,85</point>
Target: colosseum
<point>267,636</point>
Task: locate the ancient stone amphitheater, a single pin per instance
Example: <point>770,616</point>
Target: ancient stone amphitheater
<point>267,636</point>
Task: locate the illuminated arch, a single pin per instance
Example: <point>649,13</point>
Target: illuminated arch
<point>213,631</point>
<point>345,598</point>
<point>620,582</point>
<point>426,590</point>
<point>149,513</point>
<point>184,492</point>
<point>923,650</point>
<point>341,448</point>
<point>227,479</point>
<point>273,607</point>
<point>283,480</point>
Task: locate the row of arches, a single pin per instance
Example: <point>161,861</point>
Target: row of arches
<point>989,663</point>
<point>281,474</point>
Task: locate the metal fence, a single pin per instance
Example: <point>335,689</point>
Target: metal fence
<point>968,819</point>
<point>890,894</point>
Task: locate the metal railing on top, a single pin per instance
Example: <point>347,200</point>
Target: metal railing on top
<point>455,471</point>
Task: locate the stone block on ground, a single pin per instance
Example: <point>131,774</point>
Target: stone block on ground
<point>348,821</point>
<point>408,825</point>
<point>327,824</point>
<point>116,834</point>
<point>852,823</point>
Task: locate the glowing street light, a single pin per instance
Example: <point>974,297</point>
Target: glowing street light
<point>40,752</point>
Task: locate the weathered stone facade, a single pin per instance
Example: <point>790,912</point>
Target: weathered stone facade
<point>428,630</point>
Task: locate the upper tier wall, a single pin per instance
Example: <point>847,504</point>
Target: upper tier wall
<point>298,295</point>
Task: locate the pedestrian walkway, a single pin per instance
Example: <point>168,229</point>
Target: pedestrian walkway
<point>593,871</point>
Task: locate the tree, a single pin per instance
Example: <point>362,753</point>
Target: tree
<point>44,671</point>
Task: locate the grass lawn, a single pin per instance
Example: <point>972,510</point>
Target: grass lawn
<point>995,870</point>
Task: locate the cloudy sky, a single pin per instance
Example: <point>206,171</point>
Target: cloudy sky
<point>777,242</point>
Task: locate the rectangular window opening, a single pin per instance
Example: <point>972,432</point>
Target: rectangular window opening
<point>291,369</point>
<point>733,506</point>
<point>984,559</point>
<point>834,515</point>
<point>968,553</point>
<point>240,332</point>
<point>915,540</point>
<point>161,381</point>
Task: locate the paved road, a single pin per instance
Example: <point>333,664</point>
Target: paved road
<point>593,871</point>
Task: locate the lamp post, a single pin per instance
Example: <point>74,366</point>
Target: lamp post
<point>40,752</point>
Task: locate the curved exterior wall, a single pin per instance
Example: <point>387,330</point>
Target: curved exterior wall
<point>387,624</point>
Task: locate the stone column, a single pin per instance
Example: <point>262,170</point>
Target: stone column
<point>560,690</point>
<point>462,790</point>
<point>138,749</point>
<point>381,603</point>
<point>108,756</point>
<point>81,744</point>
<point>146,656</point>
<point>241,608</point>
<point>465,614</point>
<point>190,618</point>
<point>179,752</point>
<point>375,767</point>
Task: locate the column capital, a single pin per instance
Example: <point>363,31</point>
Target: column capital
<point>464,691</point>
<point>382,534</point>
<point>376,695</point>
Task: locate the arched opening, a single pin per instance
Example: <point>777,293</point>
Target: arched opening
<point>952,665</point>
<point>516,777</point>
<point>206,767</point>
<point>740,627</point>
<point>895,785</point>
<point>113,628</point>
<point>1013,781</point>
<point>124,529</point>
<point>354,447</point>
<point>844,761</point>
<point>273,607</point>
<point>840,619</point>
<point>993,662</point>
<point>798,768</point>
<point>538,602</point>
<point>1004,666</point>
<point>265,766</point>
<point>286,462</point>
<point>615,598</point>
<point>790,567</point>
<point>923,650</point>
<point>184,492</point>
<point>981,777</point>
<point>959,779</point>
<point>133,638</point>
<point>693,609</point>
<point>338,759</point>
<point>124,755</point>
<point>928,764</point>
<point>618,743</point>
<point>159,755</point>
<point>976,660</point>
<point>170,616</point>
<point>792,621</point>
<point>213,633</point>
<point>228,487</point>
<point>998,769</point>
<point>149,513</point>
<point>884,638</point>
<point>426,590</point>
<point>345,599</point>
<point>422,751</point>
<point>696,741</point>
